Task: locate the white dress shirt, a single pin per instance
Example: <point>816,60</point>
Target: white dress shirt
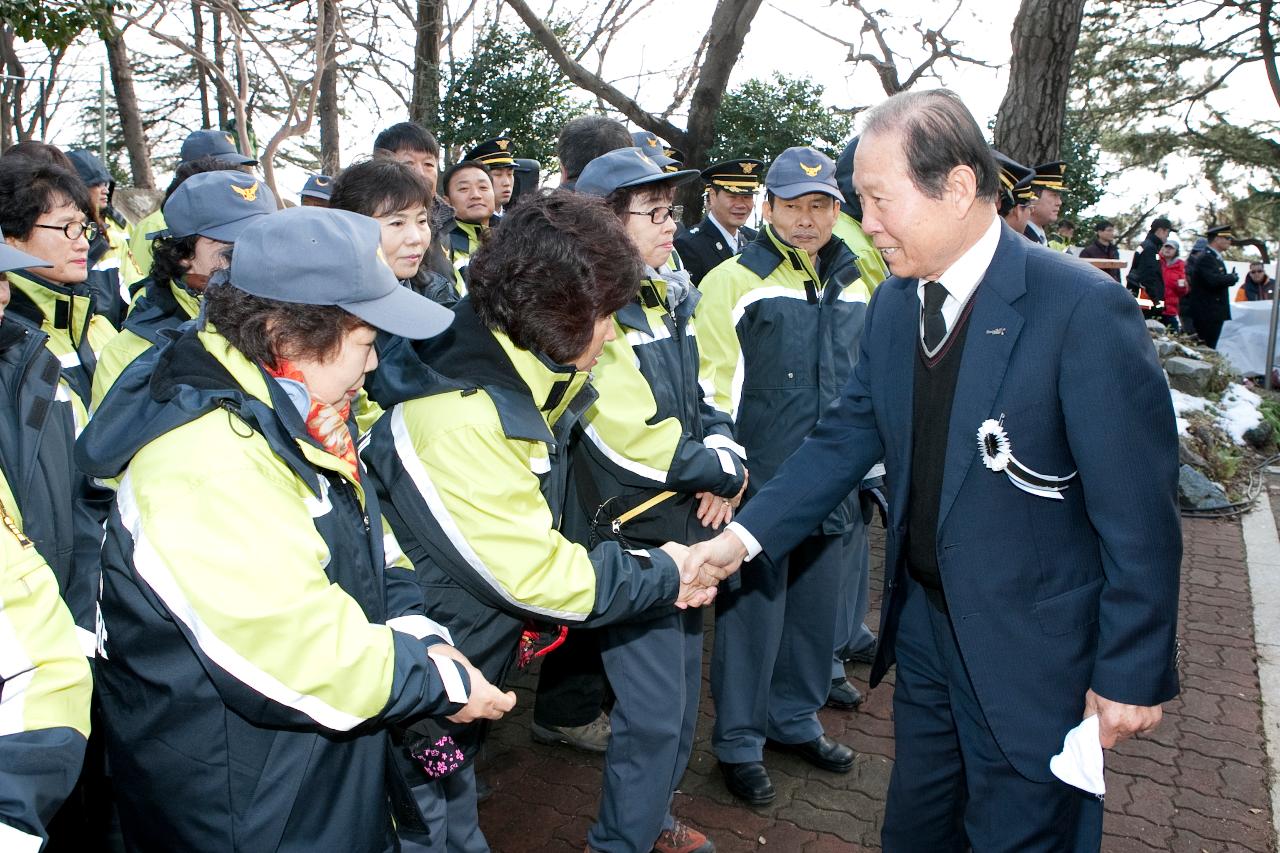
<point>729,240</point>
<point>961,279</point>
<point>1039,232</point>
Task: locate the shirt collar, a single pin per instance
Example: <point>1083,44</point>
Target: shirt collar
<point>1044,238</point>
<point>730,240</point>
<point>963,276</point>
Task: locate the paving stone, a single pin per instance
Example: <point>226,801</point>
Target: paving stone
<point>1195,784</point>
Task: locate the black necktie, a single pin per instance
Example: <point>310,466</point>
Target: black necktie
<point>935,326</point>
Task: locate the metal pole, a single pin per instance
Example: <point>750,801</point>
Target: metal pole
<point>44,114</point>
<point>1271,333</point>
<point>102,112</point>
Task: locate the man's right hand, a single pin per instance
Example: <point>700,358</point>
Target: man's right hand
<point>712,561</point>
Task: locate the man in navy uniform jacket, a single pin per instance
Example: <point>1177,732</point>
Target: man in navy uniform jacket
<point>1032,582</point>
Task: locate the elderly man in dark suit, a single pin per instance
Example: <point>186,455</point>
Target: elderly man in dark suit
<point>1033,547</point>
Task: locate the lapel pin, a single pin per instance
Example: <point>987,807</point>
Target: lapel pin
<point>999,331</point>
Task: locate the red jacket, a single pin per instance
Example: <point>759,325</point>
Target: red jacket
<point>1175,284</point>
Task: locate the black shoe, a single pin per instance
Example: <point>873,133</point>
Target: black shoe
<point>821,752</point>
<point>865,655</point>
<point>748,782</point>
<point>843,696</point>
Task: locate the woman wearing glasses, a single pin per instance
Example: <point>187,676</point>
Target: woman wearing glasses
<point>656,463</point>
<point>44,211</point>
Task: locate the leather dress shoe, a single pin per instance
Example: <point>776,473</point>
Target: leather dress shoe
<point>821,752</point>
<point>843,696</point>
<point>748,781</point>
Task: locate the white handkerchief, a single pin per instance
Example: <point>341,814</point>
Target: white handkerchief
<point>1080,762</point>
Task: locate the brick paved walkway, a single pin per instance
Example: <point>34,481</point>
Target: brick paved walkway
<point>1199,783</point>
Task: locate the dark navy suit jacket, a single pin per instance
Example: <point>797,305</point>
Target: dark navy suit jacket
<point>1048,598</point>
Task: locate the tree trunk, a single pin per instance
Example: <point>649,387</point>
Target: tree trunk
<point>1029,123</point>
<point>330,119</point>
<point>219,60</point>
<point>728,30</point>
<point>424,104</point>
<point>10,90</point>
<point>202,79</point>
<point>729,25</point>
<point>130,116</point>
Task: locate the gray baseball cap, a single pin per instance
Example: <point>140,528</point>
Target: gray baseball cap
<point>218,205</point>
<point>323,256</point>
<point>802,170</point>
<point>318,186</point>
<point>12,259</point>
<point>212,142</point>
<point>624,168</point>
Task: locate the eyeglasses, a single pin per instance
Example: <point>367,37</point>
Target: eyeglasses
<point>75,230</point>
<point>660,215</point>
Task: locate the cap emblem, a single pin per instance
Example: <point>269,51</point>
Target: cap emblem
<point>652,142</point>
<point>231,140</point>
<point>748,168</point>
<point>502,144</point>
<point>249,193</point>
<point>322,181</point>
<point>811,171</point>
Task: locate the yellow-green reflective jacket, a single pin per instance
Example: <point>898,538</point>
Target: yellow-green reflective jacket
<point>461,240</point>
<point>870,261</point>
<point>474,470</point>
<point>140,243</point>
<point>779,340</point>
<point>651,431</point>
<point>254,641</point>
<point>45,686</point>
<point>76,335</point>
<point>158,307</point>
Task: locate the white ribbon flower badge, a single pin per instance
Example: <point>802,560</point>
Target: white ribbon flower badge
<point>997,454</point>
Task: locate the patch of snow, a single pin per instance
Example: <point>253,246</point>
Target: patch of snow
<point>1183,403</point>
<point>1238,412</point>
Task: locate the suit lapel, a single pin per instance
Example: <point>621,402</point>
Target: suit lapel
<point>994,326</point>
<point>904,332</point>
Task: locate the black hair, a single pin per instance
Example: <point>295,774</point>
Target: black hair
<point>30,188</point>
<point>938,134</point>
<point>585,138</point>
<point>1103,225</point>
<point>556,265</point>
<point>267,330</point>
<point>41,152</point>
<point>407,136</point>
<point>379,186</point>
<point>620,199</point>
<point>196,167</point>
<point>455,169</point>
<point>170,257</point>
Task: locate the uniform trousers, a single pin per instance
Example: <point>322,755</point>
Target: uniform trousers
<point>952,789</point>
<point>852,603</point>
<point>655,667</point>
<point>448,807</point>
<point>571,683</point>
<point>771,664</point>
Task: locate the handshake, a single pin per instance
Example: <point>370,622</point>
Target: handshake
<point>704,565</point>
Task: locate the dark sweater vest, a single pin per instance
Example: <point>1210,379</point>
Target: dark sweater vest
<point>934,388</point>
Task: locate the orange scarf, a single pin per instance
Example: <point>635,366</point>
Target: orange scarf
<point>326,423</point>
